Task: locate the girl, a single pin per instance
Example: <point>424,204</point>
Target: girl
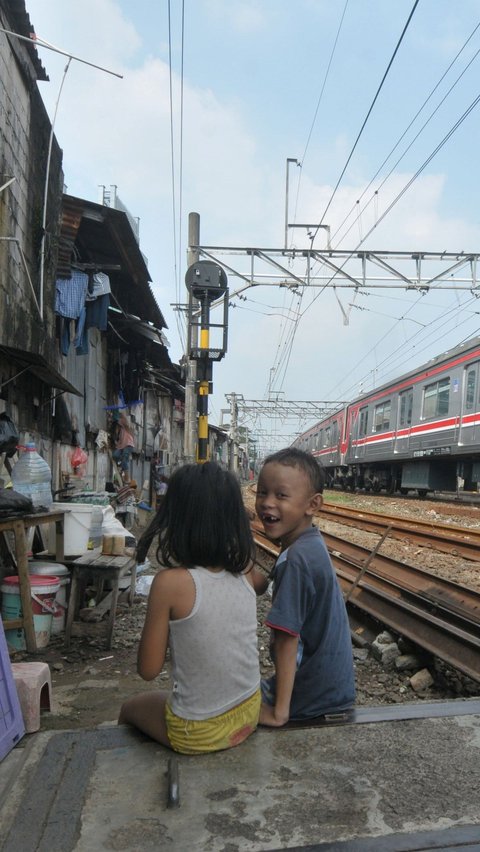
<point>204,610</point>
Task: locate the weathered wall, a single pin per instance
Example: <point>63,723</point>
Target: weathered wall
<point>24,139</point>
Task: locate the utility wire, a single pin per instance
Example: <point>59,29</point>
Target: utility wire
<point>288,351</point>
<point>411,124</point>
<point>172,155</point>
<point>397,198</point>
<point>180,175</point>
<point>382,184</point>
<point>367,117</point>
<point>327,72</point>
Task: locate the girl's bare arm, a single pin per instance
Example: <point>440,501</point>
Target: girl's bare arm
<point>154,641</point>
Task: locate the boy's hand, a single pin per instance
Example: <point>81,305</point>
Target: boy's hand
<point>268,717</point>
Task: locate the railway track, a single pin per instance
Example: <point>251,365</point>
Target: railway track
<point>457,541</point>
<point>440,616</point>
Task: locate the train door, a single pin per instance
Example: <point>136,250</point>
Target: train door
<point>469,432</point>
<point>404,421</point>
<point>360,432</point>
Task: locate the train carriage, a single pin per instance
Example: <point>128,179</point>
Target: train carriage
<point>420,432</point>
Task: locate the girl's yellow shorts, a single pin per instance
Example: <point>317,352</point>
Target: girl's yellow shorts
<point>198,736</point>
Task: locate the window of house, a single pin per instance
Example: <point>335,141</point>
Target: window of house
<point>381,419</point>
<point>405,406</point>
<point>436,398</point>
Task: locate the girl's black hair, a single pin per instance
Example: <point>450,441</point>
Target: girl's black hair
<point>293,457</point>
<point>201,521</point>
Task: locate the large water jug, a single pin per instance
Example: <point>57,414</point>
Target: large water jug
<point>32,476</point>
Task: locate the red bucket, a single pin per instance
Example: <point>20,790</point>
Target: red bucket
<point>43,592</point>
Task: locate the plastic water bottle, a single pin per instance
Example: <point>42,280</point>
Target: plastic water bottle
<point>31,475</point>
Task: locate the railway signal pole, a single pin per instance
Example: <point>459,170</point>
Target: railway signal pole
<point>206,282</point>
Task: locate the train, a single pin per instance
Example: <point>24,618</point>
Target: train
<point>419,433</point>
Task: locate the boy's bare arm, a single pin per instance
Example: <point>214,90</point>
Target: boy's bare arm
<point>285,650</point>
<point>259,580</point>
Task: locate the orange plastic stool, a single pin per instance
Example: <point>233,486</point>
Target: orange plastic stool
<point>34,686</point>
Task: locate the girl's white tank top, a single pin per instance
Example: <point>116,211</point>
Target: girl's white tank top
<point>214,649</point>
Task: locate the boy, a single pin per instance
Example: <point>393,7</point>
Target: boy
<point>311,645</point>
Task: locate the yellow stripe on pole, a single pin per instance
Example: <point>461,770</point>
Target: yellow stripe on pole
<point>204,338</point>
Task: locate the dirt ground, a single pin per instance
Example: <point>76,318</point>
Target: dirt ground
<point>89,682</point>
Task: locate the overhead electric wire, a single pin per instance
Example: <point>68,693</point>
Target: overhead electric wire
<point>180,328</point>
<point>180,172</point>
<point>367,117</point>
<point>440,145</point>
<point>287,353</point>
<point>400,349</point>
<point>411,123</point>
<point>382,184</point>
<point>409,183</point>
<point>327,72</point>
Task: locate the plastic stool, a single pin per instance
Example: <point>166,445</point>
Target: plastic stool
<point>34,686</point>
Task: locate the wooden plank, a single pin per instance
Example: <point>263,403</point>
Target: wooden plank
<point>24,585</point>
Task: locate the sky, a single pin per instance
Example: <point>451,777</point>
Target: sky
<point>215,97</point>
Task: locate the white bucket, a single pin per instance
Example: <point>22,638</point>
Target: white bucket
<point>54,569</point>
<point>80,520</point>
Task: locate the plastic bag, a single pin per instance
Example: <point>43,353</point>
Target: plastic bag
<point>9,437</point>
<point>142,586</point>
<point>78,460</point>
<point>14,503</point>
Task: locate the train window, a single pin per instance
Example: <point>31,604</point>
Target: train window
<point>470,390</point>
<point>362,422</point>
<point>326,440</point>
<point>334,432</point>
<point>381,420</point>
<point>435,398</point>
<point>405,407</point>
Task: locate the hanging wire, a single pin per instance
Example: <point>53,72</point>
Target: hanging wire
<point>419,111</point>
<point>367,116</point>
<point>327,72</point>
<point>180,327</point>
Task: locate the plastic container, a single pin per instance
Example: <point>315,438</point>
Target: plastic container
<point>12,727</point>
<point>82,525</point>
<point>54,569</point>
<point>44,591</point>
<point>31,475</point>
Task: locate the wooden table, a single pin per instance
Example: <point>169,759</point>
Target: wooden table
<point>19,526</point>
<point>94,566</point>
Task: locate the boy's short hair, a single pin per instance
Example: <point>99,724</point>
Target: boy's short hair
<point>292,457</point>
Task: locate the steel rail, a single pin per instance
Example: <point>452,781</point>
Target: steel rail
<point>458,648</point>
<point>437,615</point>
<point>438,591</point>
<point>458,541</point>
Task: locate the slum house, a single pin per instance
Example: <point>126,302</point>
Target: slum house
<point>117,353</point>
<point>30,378</point>
<point>46,407</point>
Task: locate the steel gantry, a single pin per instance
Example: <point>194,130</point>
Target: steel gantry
<point>283,409</point>
<point>338,268</point>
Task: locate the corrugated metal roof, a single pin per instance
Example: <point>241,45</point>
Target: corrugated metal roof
<point>103,236</point>
<point>39,366</point>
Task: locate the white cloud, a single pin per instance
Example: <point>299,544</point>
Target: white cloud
<point>118,132</point>
<point>245,16</point>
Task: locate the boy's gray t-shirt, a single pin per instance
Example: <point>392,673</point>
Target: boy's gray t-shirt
<point>308,603</point>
